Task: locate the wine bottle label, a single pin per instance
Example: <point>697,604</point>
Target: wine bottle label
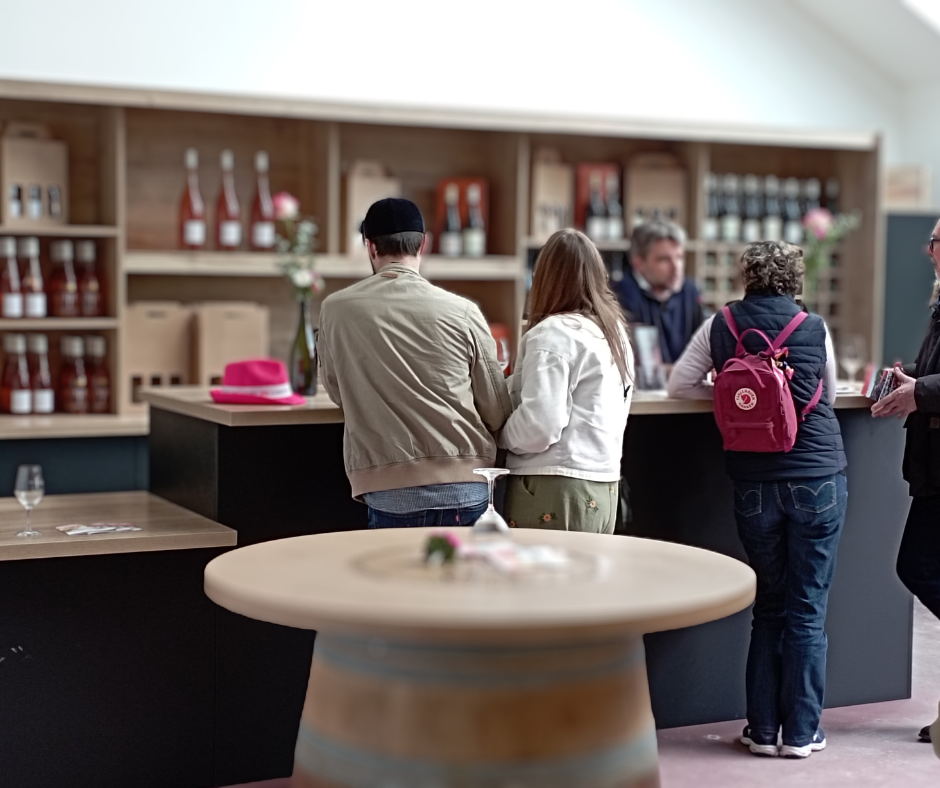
<point>43,401</point>
<point>615,228</point>
<point>474,242</point>
<point>793,232</point>
<point>230,233</point>
<point>710,229</point>
<point>451,244</point>
<point>750,231</point>
<point>35,209</point>
<point>194,232</point>
<point>773,228</point>
<point>21,401</point>
<point>262,235</point>
<point>730,228</point>
<point>596,228</point>
<point>35,305</point>
<point>12,305</point>
<point>16,209</point>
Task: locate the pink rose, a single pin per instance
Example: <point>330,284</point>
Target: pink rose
<point>286,206</point>
<point>819,222</point>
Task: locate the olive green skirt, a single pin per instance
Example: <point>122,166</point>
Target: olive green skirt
<point>561,503</point>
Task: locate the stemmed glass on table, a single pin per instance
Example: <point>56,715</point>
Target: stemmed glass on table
<point>29,489</point>
<point>852,354</point>
<point>490,521</point>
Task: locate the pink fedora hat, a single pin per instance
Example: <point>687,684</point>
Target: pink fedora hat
<point>260,381</point>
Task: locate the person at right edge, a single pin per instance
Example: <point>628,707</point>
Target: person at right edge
<point>917,400</point>
<point>789,506</point>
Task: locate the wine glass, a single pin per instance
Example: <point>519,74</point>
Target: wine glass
<point>852,354</point>
<point>29,490</point>
<point>490,521</point>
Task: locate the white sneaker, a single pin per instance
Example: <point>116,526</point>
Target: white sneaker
<point>818,743</point>
<point>767,750</point>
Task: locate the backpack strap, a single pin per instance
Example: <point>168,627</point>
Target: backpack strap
<point>740,350</point>
<point>729,321</point>
<point>788,329</point>
<point>813,402</point>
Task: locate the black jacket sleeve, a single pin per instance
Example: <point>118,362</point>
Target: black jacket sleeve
<point>927,394</point>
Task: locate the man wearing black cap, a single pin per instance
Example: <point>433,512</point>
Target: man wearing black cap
<point>414,369</point>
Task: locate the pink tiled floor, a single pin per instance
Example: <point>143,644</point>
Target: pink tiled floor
<point>870,746</point>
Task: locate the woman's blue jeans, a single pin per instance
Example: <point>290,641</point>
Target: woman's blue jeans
<point>790,531</point>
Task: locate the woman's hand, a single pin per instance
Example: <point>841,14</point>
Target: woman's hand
<point>899,402</point>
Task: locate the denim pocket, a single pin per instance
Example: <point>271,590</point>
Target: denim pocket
<point>814,496</point>
<point>747,499</point>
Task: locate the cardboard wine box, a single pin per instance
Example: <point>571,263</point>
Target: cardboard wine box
<point>227,331</point>
<point>156,349</point>
<point>34,177</point>
<point>366,183</point>
<point>440,211</point>
<point>657,186</point>
<point>552,204</point>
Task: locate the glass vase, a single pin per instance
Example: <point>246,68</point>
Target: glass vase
<point>303,355</point>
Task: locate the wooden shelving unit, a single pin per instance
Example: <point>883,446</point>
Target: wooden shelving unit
<point>126,149</point>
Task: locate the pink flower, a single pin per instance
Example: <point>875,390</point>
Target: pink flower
<point>286,206</point>
<point>819,221</point>
<point>452,539</point>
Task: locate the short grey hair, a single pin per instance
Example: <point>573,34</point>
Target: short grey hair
<point>648,233</point>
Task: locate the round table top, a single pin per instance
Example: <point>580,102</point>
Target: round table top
<point>374,582</point>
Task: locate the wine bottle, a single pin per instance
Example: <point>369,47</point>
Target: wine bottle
<point>832,196</point>
<point>773,220</point>
<point>89,287</point>
<point>55,202</point>
<point>474,234</point>
<point>40,378</point>
<point>227,210</point>
<point>451,242</point>
<point>730,209</point>
<point>72,391</point>
<point>792,213</point>
<point>63,284</point>
<point>595,219</point>
<point>34,293</point>
<point>261,234</point>
<point>614,208</point>
<point>99,380</point>
<point>15,205</point>
<point>751,229</point>
<point>303,356</point>
<point>11,293</point>
<point>710,228</point>
<point>34,204</point>
<point>192,208</point>
<point>15,395</point>
<point>811,195</point>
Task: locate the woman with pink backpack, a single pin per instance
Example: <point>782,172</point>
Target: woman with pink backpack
<point>774,388</point>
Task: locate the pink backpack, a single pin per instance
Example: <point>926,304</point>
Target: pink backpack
<point>753,404</point>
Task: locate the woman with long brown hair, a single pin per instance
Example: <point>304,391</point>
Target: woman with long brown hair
<point>571,390</point>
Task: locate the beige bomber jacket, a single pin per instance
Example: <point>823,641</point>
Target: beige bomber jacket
<point>414,369</point>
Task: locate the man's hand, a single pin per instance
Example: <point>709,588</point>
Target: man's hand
<point>899,402</point>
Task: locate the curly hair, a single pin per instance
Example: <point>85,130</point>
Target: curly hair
<point>773,266</point>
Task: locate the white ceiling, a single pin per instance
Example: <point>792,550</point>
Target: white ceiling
<point>887,32</point>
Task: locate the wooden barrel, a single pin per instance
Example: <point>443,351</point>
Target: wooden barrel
<point>381,714</point>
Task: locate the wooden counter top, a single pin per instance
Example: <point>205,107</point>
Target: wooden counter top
<point>164,526</point>
<point>195,401</point>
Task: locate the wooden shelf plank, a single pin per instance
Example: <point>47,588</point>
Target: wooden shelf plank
<point>182,263</point>
<point>58,324</point>
<point>66,425</point>
<point>68,231</point>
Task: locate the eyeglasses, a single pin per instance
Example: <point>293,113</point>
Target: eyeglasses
<point>931,243</point>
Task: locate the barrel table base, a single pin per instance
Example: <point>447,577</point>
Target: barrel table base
<point>381,713</point>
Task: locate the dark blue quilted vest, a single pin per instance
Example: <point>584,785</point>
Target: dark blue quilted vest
<point>818,449</point>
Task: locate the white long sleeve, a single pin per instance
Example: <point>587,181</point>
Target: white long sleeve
<point>688,376</point>
<point>544,407</point>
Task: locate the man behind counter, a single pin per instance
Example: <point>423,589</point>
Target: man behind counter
<point>656,292</point>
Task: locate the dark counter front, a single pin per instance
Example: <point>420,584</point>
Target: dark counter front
<point>268,474</point>
<point>680,492</point>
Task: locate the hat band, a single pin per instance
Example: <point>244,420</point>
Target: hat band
<point>280,391</point>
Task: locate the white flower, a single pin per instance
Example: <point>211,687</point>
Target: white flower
<point>302,278</point>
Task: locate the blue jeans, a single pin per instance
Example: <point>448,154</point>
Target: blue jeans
<point>790,531</point>
<point>445,518</point>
